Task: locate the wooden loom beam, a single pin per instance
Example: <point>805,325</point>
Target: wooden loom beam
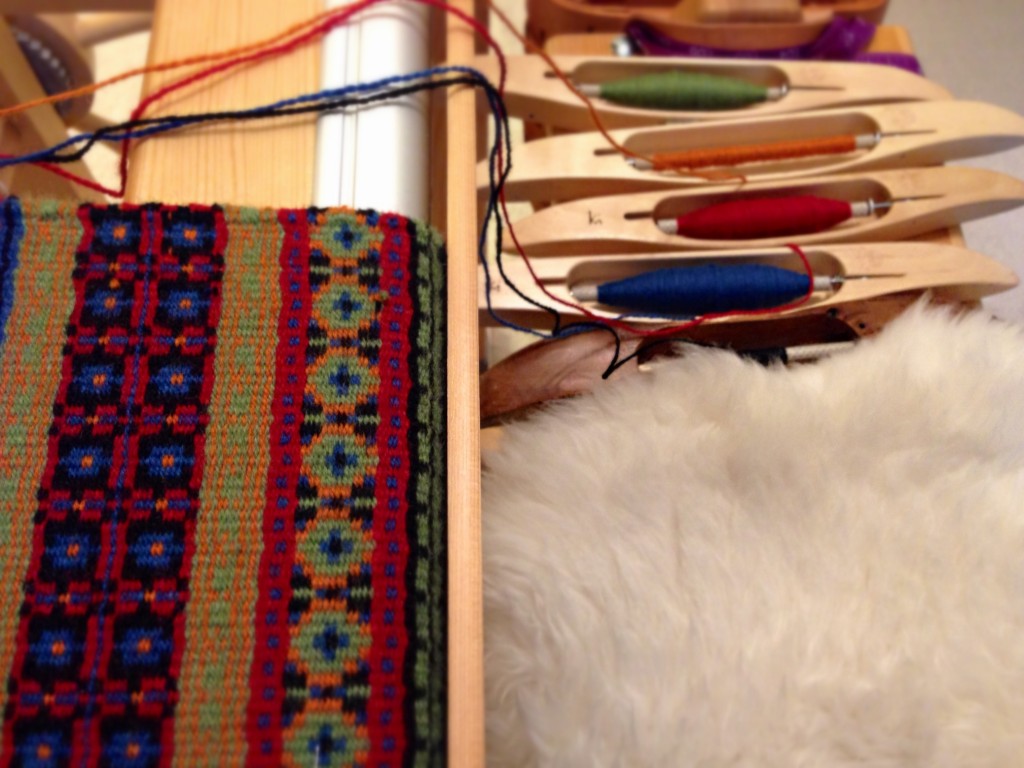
<point>887,38</point>
<point>73,6</point>
<point>261,165</point>
<point>465,555</point>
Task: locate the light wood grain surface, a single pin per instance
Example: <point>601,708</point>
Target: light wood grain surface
<point>887,38</point>
<point>465,557</point>
<point>72,6</point>
<point>261,164</point>
<point>531,92</point>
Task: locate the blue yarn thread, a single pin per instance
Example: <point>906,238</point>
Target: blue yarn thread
<point>163,126</point>
<point>705,289</point>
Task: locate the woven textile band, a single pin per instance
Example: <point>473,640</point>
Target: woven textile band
<point>222,487</point>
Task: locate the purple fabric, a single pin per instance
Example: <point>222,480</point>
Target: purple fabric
<point>844,39</point>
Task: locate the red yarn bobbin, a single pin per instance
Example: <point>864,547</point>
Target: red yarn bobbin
<point>764,217</point>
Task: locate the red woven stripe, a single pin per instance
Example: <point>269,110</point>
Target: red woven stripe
<point>386,713</point>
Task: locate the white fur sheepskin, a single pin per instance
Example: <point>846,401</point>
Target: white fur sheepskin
<point>719,564</point>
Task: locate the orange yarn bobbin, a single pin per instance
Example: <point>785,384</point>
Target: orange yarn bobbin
<point>753,153</point>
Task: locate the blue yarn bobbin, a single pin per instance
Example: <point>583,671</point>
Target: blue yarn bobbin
<point>705,289</point>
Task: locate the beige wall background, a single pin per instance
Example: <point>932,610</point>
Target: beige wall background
<point>976,49</point>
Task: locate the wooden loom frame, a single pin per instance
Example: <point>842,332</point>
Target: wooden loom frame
<point>208,166</point>
<point>232,167</point>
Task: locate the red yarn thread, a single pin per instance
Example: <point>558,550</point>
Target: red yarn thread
<point>764,217</point>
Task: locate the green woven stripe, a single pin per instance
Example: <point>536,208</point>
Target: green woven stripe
<point>214,682</point>
<point>340,464</point>
<point>43,300</point>
<point>430,671</point>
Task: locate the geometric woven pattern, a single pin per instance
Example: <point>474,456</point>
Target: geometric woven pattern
<point>221,486</point>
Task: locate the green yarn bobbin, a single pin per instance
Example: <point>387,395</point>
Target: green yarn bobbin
<point>684,90</point>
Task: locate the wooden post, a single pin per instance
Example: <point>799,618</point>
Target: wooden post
<point>8,7</point>
<point>465,556</point>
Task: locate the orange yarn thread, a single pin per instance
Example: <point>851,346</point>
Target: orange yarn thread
<point>170,65</point>
<point>753,153</point>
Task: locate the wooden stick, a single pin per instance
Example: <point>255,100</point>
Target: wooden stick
<point>8,7</point>
<point>465,556</point>
<point>572,365</point>
<point>728,11</point>
<point>950,272</point>
<point>682,21</point>
<point>550,370</point>
<point>533,92</point>
<point>931,199</point>
<point>922,133</point>
<point>887,39</point>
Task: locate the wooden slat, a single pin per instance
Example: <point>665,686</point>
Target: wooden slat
<point>95,28</point>
<point>31,130</point>
<point>73,6</point>
<point>465,559</point>
<point>887,38</point>
<point>719,11</point>
<point>261,165</point>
